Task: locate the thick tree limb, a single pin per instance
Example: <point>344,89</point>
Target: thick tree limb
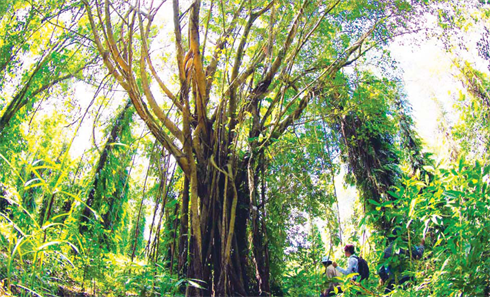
<point>128,83</point>
<point>178,42</point>
<point>146,87</point>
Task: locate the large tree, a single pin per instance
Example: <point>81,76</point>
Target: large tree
<point>243,74</point>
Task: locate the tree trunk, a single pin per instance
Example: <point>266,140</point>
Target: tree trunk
<point>184,227</point>
<point>227,266</point>
<point>98,189</point>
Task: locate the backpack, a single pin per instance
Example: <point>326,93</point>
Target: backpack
<point>384,272</point>
<point>363,268</point>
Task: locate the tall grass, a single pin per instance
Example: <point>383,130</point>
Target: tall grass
<point>31,238</point>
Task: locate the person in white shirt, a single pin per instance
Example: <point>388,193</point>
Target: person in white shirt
<point>352,262</point>
<point>331,272</point>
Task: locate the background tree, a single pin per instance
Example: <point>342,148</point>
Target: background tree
<point>51,61</point>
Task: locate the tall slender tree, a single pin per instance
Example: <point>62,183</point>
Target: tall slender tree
<point>109,189</point>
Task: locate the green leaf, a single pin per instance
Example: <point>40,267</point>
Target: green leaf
<point>57,242</point>
<point>393,194</point>
<point>194,284</point>
<point>486,170</point>
<point>412,208</point>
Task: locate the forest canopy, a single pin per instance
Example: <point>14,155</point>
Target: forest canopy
<point>204,148</point>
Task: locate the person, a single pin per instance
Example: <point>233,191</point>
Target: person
<point>392,273</point>
<point>352,262</point>
<point>331,273</point>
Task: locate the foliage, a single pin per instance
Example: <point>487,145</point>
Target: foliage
<point>451,212</point>
<point>474,107</point>
<point>202,155</point>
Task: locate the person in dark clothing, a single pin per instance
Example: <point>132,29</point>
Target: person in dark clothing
<point>392,272</point>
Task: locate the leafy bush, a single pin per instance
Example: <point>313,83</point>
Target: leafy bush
<point>451,209</point>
